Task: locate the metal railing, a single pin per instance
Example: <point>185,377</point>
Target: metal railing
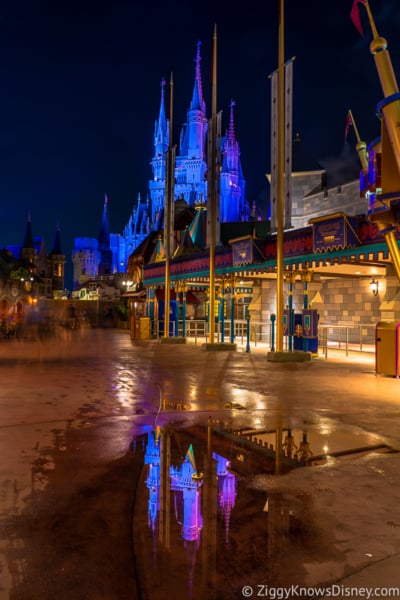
<point>343,337</point>
<point>260,331</point>
<point>346,337</point>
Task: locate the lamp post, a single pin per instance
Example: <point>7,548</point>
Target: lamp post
<point>233,281</point>
<point>248,331</point>
<point>222,310</point>
<point>290,278</point>
<point>306,276</point>
<point>184,290</point>
<point>273,319</point>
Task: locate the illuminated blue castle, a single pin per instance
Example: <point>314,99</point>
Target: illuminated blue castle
<point>190,186</point>
<point>191,160</point>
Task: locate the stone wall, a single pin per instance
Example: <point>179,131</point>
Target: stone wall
<point>344,198</point>
<point>339,302</point>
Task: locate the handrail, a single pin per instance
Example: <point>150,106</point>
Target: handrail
<point>329,334</point>
<point>346,329</point>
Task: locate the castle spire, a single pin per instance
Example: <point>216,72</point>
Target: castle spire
<point>57,242</point>
<point>57,260</point>
<point>232,184</point>
<point>197,98</point>
<point>28,238</point>
<point>161,136</point>
<point>231,150</point>
<point>196,118</point>
<point>105,264</point>
<point>231,132</point>
<point>104,235</point>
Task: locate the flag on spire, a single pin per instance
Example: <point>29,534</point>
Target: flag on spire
<point>349,122</point>
<point>190,458</point>
<point>355,15</point>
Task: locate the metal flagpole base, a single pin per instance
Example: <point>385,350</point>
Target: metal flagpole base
<point>296,356</point>
<point>220,346</point>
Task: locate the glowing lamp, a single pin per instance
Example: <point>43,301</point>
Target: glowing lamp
<point>374,286</point>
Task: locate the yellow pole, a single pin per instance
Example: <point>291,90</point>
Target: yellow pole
<point>361,146</point>
<point>167,216</point>
<point>391,241</point>
<point>211,196</point>
<point>387,77</point>
<point>391,119</point>
<point>371,20</point>
<point>280,183</point>
<point>278,450</point>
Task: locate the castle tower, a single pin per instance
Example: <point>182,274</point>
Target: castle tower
<point>197,120</point>
<point>232,184</point>
<point>56,263</point>
<point>158,163</point>
<point>28,251</point>
<point>92,257</point>
<point>190,183</point>
<point>86,259</point>
<point>191,161</point>
<point>105,265</point>
<point>135,231</point>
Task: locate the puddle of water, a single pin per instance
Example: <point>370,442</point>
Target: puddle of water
<point>316,444</point>
<point>201,530</point>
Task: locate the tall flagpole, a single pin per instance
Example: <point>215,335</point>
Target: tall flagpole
<point>361,146</point>
<point>169,199</point>
<point>211,193</point>
<point>387,220</point>
<point>280,182</point>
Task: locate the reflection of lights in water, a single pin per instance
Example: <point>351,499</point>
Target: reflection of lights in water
<point>122,385</point>
<point>185,485</point>
<point>325,426</point>
<point>260,404</point>
<point>326,449</point>
<point>246,397</point>
<point>193,391</point>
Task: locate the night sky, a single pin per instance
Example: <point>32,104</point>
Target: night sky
<point>80,91</point>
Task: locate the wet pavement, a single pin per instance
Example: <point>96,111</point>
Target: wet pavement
<point>147,470</point>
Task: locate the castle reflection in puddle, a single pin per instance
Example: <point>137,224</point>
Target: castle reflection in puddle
<point>183,541</point>
<point>209,517</point>
<point>185,482</point>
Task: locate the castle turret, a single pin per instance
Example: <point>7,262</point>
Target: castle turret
<point>191,162</point>
<point>28,251</point>
<point>232,185</point>
<point>158,163</point>
<point>57,262</point>
<point>103,239</point>
<point>161,130</point>
<point>197,121</point>
<point>86,259</point>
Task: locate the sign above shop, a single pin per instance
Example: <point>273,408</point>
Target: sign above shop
<point>246,251</point>
<point>333,232</point>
